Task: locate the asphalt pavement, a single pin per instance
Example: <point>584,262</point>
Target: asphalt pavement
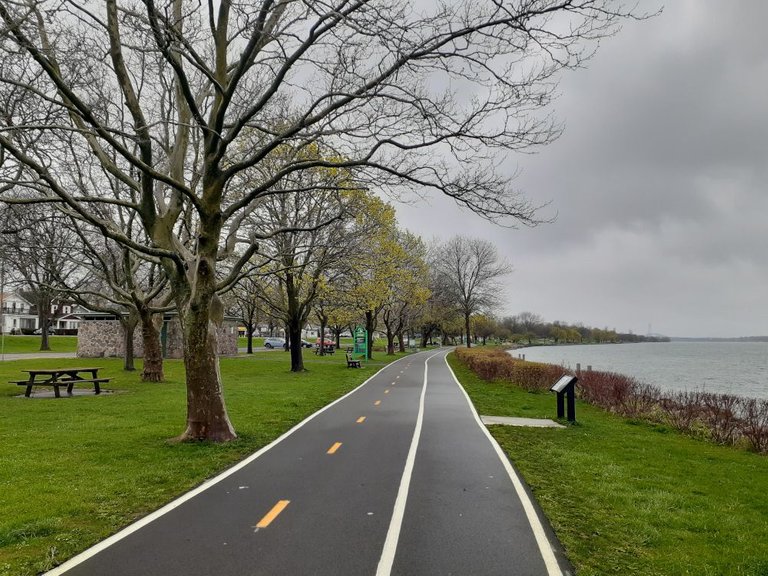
<point>399,477</point>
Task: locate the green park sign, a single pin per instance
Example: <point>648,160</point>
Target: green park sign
<point>360,349</point>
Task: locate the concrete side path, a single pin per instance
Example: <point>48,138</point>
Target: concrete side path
<point>37,355</point>
<point>321,499</point>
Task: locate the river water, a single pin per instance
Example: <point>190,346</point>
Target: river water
<point>725,367</point>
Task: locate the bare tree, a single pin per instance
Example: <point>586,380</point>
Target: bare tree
<point>247,305</point>
<point>439,310</point>
<point>529,322</point>
<point>40,244</point>
<point>175,100</point>
<point>308,235</point>
<point>122,282</point>
<point>470,272</point>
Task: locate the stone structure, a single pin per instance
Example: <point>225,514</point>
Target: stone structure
<point>102,335</point>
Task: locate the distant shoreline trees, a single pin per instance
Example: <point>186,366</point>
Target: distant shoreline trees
<point>528,328</point>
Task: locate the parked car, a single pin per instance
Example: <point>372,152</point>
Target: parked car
<point>305,344</point>
<point>274,342</point>
<point>39,331</point>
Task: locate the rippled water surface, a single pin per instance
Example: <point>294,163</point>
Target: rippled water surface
<point>726,367</point>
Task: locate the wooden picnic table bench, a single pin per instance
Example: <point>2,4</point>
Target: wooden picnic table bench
<point>59,377</point>
<point>352,363</point>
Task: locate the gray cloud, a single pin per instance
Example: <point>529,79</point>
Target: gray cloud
<point>659,183</point>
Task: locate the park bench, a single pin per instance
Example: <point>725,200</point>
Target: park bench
<point>61,377</point>
<point>352,363</point>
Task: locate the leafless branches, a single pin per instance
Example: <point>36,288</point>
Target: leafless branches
<point>171,109</point>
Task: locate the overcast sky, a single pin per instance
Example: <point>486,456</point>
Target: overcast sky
<point>660,183</point>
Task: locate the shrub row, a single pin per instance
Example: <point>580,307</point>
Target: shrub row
<point>722,418</point>
<point>495,364</point>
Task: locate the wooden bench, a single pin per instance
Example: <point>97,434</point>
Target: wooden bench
<point>352,363</point>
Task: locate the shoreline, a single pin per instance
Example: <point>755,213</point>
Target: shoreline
<point>741,369</point>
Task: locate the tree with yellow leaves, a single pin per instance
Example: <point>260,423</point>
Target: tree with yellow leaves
<point>373,266</point>
<point>404,290</point>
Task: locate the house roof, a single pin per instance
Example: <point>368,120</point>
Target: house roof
<point>13,296</point>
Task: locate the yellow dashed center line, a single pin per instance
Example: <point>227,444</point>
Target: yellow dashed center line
<point>332,449</point>
<point>377,402</point>
<point>361,420</point>
<point>272,514</point>
<point>386,391</point>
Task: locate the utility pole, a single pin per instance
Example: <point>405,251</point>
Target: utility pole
<point>2,308</point>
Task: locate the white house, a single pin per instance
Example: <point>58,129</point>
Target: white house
<point>16,313</point>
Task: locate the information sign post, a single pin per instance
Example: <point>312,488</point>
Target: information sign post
<point>565,389</point>
<point>360,349</point>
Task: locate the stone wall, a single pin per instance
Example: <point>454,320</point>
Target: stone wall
<point>98,338</point>
<point>106,338</point>
<point>227,338</point>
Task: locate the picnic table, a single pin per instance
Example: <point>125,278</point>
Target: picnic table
<point>58,377</point>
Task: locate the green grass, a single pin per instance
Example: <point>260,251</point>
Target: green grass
<point>74,470</point>
<point>632,498</point>
<point>242,342</point>
<point>28,344</point>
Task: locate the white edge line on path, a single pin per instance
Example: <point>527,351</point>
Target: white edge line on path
<point>128,530</point>
<point>545,547</point>
<point>395,524</point>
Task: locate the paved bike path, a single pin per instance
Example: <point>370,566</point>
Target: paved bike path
<point>327,491</point>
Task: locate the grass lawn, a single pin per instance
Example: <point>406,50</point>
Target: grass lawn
<point>242,342</point>
<point>27,344</point>
<point>74,470</point>
<point>633,498</point>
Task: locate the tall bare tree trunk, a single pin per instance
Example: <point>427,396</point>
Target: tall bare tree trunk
<point>294,324</point>
<point>321,350</point>
<point>370,326</point>
<point>386,317</point>
<point>400,340</point>
<point>44,313</point>
<point>44,343</point>
<point>250,330</point>
<point>129,328</point>
<point>297,357</point>
<point>390,342</point>
<point>207,417</point>
<point>466,330</point>
<point>153,351</point>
